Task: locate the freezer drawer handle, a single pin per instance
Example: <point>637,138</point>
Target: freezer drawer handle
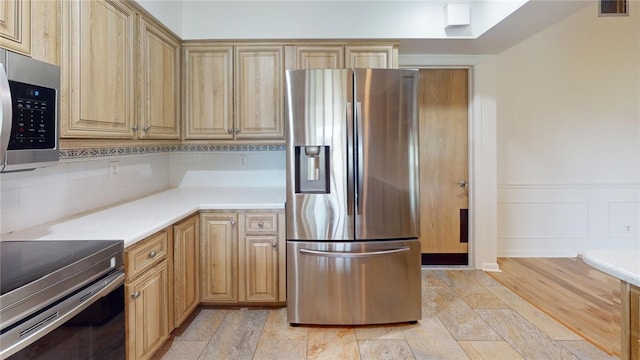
<point>347,254</point>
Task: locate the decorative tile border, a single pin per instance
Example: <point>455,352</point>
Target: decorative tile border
<point>75,154</point>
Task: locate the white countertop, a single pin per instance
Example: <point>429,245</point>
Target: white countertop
<point>623,264</point>
<point>137,219</point>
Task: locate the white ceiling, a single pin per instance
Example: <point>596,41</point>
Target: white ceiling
<point>418,25</point>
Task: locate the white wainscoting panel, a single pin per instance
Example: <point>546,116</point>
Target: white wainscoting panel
<point>566,220</point>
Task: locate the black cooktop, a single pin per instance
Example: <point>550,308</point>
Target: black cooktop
<point>23,262</point>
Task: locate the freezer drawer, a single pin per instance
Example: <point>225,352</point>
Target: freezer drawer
<point>353,283</point>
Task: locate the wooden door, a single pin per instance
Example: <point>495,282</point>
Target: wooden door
<point>159,83</point>
<point>260,268</point>
<point>186,254</point>
<point>370,56</point>
<point>444,196</point>
<point>320,57</point>
<point>98,72</point>
<point>219,257</point>
<point>148,312</point>
<point>259,79</point>
<point>208,92</point>
<point>15,25</point>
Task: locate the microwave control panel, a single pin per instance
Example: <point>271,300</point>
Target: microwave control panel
<point>34,117</point>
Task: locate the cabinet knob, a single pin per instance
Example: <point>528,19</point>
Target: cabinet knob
<point>135,295</point>
<point>260,224</point>
<point>146,128</point>
<point>152,254</point>
<point>274,245</point>
<point>134,128</point>
<point>233,223</point>
<point>237,131</point>
<point>462,183</point>
<point>229,131</point>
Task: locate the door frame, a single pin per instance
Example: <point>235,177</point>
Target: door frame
<point>482,160</point>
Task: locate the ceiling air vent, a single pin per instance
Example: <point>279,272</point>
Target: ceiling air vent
<point>613,7</point>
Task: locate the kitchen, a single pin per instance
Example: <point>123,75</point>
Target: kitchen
<point>522,213</point>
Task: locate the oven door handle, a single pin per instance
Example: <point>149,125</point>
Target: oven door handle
<point>6,120</point>
<point>60,313</point>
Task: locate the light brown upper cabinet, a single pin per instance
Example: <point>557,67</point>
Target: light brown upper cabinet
<point>371,56</point>
<point>258,92</point>
<point>159,83</point>
<point>120,73</point>
<point>98,72</point>
<point>339,56</point>
<point>318,57</point>
<point>15,25</point>
<point>208,92</point>
<point>233,92</point>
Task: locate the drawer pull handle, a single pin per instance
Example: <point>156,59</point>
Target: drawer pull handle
<point>260,224</point>
<point>152,255</point>
<point>135,295</point>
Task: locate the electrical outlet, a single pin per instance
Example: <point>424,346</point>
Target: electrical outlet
<point>114,169</point>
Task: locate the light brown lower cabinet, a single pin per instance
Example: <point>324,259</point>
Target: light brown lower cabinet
<point>218,257</point>
<point>186,256</point>
<point>242,257</point>
<point>148,295</point>
<point>630,321</point>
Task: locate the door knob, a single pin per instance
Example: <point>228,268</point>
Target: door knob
<point>462,183</point>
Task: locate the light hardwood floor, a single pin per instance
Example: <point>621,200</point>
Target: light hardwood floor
<point>585,300</point>
<point>466,314</point>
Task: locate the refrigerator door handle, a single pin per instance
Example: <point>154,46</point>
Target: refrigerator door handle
<point>350,172</point>
<point>7,115</point>
<point>360,157</point>
<point>348,254</point>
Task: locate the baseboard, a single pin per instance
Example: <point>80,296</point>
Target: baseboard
<point>491,267</point>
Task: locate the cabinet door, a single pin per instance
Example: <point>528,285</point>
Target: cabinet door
<point>159,83</point>
<point>259,92</point>
<point>15,25</point>
<point>186,257</point>
<point>45,31</point>
<point>370,56</point>
<point>259,267</point>
<point>98,39</point>
<point>208,91</point>
<point>147,312</point>
<point>319,57</point>
<point>218,257</point>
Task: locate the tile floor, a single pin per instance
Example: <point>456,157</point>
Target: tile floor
<point>465,315</point>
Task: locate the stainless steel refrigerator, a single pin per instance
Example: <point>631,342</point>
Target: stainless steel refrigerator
<point>352,210</point>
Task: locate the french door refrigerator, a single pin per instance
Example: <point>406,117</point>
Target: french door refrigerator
<point>352,207</point>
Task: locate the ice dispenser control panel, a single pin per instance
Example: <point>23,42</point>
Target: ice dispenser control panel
<point>312,169</point>
<point>34,118</point>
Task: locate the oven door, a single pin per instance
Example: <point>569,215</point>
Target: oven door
<point>88,324</point>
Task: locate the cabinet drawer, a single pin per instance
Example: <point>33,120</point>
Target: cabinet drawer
<point>261,223</point>
<point>146,253</point>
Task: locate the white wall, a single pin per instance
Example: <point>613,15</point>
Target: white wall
<point>75,186</point>
<point>569,137</point>
<point>228,169</point>
<point>198,19</point>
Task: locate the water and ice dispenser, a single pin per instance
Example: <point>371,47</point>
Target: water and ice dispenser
<point>312,169</point>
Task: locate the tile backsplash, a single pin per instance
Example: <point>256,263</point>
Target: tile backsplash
<point>81,181</point>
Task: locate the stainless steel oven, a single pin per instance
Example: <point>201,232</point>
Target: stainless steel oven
<point>62,300</point>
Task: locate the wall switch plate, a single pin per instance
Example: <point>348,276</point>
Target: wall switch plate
<point>114,169</point>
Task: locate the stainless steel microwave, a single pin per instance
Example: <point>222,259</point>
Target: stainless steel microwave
<point>29,107</point>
